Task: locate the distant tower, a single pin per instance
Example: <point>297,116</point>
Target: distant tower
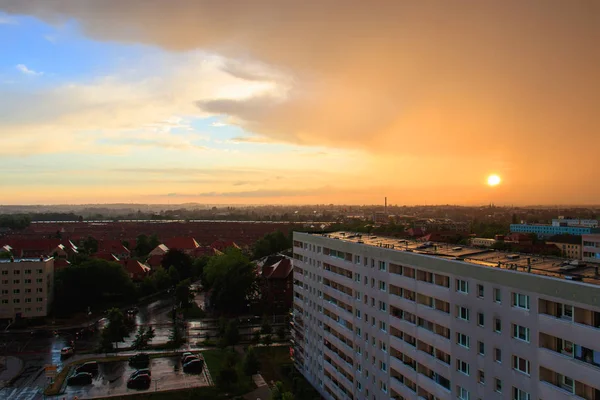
<point>385,205</point>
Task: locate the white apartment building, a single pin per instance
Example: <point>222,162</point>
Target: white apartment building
<point>382,318</point>
<point>26,287</point>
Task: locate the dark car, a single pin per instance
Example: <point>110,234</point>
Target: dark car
<point>141,359</point>
<point>89,367</point>
<point>193,366</point>
<point>80,379</point>
<point>143,371</point>
<point>189,358</point>
<point>184,355</point>
<point>141,381</point>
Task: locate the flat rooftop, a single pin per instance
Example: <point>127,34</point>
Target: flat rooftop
<point>530,263</point>
<point>17,260</point>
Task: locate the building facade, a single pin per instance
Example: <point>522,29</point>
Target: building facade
<point>570,246</point>
<point>543,231</point>
<point>27,288</point>
<point>377,319</point>
<point>591,248</point>
<point>592,223</point>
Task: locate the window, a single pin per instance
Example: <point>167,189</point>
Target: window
<point>39,299</point>
<point>521,332</point>
<point>39,280</point>
<point>567,383</point>
<point>480,320</point>
<point>382,266</point>
<point>462,340</point>
<point>462,367</point>
<point>382,366</point>
<point>497,355</point>
<point>28,300</point>
<point>521,301</point>
<point>5,281</point>
<point>27,280</point>
<point>382,326</point>
<point>462,393</point>
<point>40,271</point>
<point>357,313</point>
<point>497,325</point>
<point>4,291</point>
<point>5,301</point>
<point>497,295</point>
<point>462,286</point>
<point>16,281</point>
<point>382,286</point>
<point>480,291</point>
<point>357,259</point>
<point>39,290</point>
<point>481,377</point>
<point>519,394</point>
<point>481,348</point>
<point>357,277</point>
<point>565,312</point>
<point>27,290</point>
<point>498,385</point>
<point>16,272</point>
<point>565,347</point>
<point>16,291</point>
<point>520,364</point>
<point>16,301</point>
<point>4,272</point>
<point>463,313</point>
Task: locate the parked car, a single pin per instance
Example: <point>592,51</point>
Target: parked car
<point>89,367</point>
<point>193,366</point>
<point>143,371</point>
<point>80,379</point>
<point>66,351</point>
<point>184,355</point>
<point>189,358</point>
<point>141,359</point>
<point>141,381</point>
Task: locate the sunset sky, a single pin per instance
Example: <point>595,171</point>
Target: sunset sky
<point>275,101</point>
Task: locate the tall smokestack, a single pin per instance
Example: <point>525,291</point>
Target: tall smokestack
<point>385,208</point>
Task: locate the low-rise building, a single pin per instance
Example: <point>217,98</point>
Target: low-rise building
<point>483,242</point>
<point>26,287</point>
<point>591,248</point>
<point>544,231</point>
<point>569,245</point>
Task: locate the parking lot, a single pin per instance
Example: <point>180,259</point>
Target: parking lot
<point>112,379</point>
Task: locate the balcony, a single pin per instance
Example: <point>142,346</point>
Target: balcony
<point>585,335</point>
<point>548,390</point>
<point>563,364</point>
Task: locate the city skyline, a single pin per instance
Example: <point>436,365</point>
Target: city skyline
<point>238,103</point>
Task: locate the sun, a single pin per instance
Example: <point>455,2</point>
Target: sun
<point>493,180</point>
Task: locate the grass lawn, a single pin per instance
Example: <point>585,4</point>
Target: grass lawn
<point>276,365</point>
<point>215,361</point>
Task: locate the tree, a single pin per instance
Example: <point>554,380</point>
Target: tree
<point>116,329</point>
<point>281,332</point>
<point>198,267</point>
<point>251,363</point>
<point>181,261</point>
<point>173,275</point>
<point>256,337</point>
<point>232,333</point>
<point>226,378</point>
<point>231,277</point>
<point>150,334</point>
<point>143,337</point>
<point>278,393</point>
<point>90,245</point>
<point>176,336</point>
<point>161,279</point>
<point>183,295</point>
<point>266,327</point>
<point>267,340</point>
<point>273,242</point>
<point>93,283</point>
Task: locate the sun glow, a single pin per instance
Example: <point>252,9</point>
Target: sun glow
<point>493,180</point>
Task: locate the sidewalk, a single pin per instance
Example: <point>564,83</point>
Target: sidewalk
<point>12,366</point>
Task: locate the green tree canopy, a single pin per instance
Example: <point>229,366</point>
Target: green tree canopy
<point>181,261</point>
<point>271,243</point>
<point>183,295</point>
<point>251,363</point>
<point>93,283</point>
<point>116,329</point>
<point>231,277</point>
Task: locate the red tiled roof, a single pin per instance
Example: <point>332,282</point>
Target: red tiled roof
<point>60,263</point>
<point>181,243</point>
<point>135,267</point>
<point>281,269</point>
<point>155,260</point>
<point>112,246</point>
<point>106,255</point>
<point>223,244</point>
